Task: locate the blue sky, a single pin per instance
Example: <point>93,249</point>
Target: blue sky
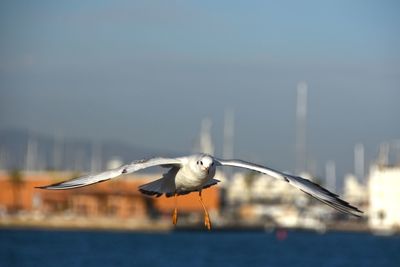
<point>147,72</point>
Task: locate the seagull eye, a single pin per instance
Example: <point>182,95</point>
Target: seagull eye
<point>201,162</point>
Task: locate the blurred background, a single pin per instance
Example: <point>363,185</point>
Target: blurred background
<point>311,88</point>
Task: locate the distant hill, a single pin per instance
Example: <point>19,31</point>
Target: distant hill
<point>21,149</point>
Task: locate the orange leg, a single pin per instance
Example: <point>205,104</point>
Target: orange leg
<point>175,213</point>
<point>207,221</point>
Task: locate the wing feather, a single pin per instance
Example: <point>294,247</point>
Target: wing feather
<point>110,174</point>
<point>303,184</point>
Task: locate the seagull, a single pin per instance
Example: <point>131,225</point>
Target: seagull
<point>196,172</point>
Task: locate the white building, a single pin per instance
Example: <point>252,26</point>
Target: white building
<point>384,198</point>
<point>268,188</point>
<point>355,192</point>
<point>238,190</point>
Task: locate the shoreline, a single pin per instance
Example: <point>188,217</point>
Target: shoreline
<point>92,224</point>
<point>165,226</point>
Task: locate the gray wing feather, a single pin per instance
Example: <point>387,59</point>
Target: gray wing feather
<point>107,175</point>
<point>304,185</point>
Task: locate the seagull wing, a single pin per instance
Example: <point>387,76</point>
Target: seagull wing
<point>107,175</point>
<point>304,185</point>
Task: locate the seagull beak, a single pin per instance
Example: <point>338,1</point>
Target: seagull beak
<point>207,169</point>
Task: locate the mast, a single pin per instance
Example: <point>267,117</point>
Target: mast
<point>359,162</point>
<point>330,169</point>
<point>301,121</point>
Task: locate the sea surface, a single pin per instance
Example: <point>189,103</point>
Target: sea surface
<point>190,249</point>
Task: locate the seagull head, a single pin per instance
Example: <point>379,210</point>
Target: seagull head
<point>205,162</point>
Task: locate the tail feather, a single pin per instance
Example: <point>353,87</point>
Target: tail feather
<point>152,188</point>
<point>211,183</point>
<point>164,185</point>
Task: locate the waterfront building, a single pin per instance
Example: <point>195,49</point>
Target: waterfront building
<point>384,198</point>
<point>117,198</point>
<point>355,192</point>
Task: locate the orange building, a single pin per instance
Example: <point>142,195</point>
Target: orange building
<point>190,203</point>
<point>119,197</point>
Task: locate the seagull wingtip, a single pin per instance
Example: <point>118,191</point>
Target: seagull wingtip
<point>359,213</point>
<point>40,187</point>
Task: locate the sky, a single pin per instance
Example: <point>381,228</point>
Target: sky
<point>148,72</point>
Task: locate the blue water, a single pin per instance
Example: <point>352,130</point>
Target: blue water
<point>190,249</point>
